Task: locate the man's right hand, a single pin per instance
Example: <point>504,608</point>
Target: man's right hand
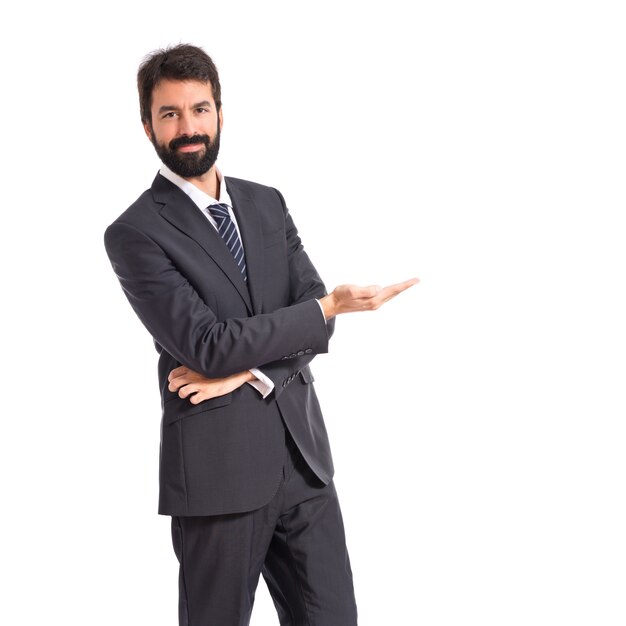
<point>352,298</point>
<point>187,382</point>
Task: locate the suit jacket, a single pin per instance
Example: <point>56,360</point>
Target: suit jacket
<point>225,454</point>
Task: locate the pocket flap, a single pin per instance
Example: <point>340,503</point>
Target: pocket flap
<point>178,408</point>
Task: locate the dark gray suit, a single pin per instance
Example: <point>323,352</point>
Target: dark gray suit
<point>224,455</point>
<point>227,455</point>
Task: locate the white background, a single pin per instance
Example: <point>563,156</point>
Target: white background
<point>477,421</point>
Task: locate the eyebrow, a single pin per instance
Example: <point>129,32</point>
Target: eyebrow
<point>168,107</point>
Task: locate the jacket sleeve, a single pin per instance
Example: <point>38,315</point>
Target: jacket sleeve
<point>304,284</point>
<point>181,322</point>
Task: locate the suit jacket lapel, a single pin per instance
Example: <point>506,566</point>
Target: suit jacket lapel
<point>181,212</point>
<point>249,222</point>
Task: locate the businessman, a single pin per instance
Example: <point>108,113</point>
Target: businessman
<point>215,269</point>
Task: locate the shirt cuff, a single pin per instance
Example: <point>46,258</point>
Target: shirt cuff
<point>322,310</point>
<point>261,383</point>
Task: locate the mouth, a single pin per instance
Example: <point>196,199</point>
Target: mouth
<point>193,147</point>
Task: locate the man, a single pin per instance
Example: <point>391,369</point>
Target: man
<point>216,271</point>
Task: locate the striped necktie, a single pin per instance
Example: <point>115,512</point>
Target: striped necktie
<point>228,232</point>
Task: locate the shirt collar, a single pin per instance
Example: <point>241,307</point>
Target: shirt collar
<point>201,199</point>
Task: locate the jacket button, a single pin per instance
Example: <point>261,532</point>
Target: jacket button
<point>308,351</point>
<point>301,353</point>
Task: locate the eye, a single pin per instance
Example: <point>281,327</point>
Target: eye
<point>202,110</point>
<point>169,114</point>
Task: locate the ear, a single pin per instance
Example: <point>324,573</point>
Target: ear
<point>220,118</point>
<point>148,130</point>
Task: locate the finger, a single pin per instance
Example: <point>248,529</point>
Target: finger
<point>187,390</point>
<point>200,396</point>
<point>363,293</point>
<point>403,286</point>
<point>388,293</point>
<point>177,383</point>
<point>188,377</point>
<point>207,392</point>
<point>393,290</point>
<point>376,292</point>
<point>178,371</point>
<point>367,296</point>
<point>371,292</point>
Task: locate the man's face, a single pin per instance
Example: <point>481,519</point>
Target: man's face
<point>185,128</point>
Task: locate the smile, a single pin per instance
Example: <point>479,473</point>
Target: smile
<point>194,147</point>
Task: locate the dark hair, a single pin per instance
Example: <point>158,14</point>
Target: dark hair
<point>181,62</point>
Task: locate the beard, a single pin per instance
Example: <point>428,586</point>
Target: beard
<point>189,164</point>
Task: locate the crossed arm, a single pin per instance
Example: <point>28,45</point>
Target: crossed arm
<point>304,284</point>
<point>187,328</point>
<point>217,355</point>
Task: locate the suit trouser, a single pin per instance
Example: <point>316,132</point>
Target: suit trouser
<point>296,541</point>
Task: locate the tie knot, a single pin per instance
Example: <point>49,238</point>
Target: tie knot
<point>226,229</point>
<point>219,210</point>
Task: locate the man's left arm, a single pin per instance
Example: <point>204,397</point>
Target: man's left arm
<point>304,284</point>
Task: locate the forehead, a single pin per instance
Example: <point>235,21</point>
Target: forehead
<point>181,92</point>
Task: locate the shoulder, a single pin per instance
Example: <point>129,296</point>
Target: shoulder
<point>255,190</point>
<point>132,221</point>
<point>142,216</point>
<point>144,203</point>
<point>241,183</point>
<point>147,206</point>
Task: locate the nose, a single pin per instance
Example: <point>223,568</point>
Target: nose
<point>185,125</point>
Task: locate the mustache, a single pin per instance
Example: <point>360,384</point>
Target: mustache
<point>189,141</point>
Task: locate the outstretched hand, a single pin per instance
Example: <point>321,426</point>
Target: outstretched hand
<point>352,298</point>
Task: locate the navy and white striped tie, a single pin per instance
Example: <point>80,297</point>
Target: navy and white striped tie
<point>226,228</point>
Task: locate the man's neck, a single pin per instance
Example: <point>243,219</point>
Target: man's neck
<point>208,182</point>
